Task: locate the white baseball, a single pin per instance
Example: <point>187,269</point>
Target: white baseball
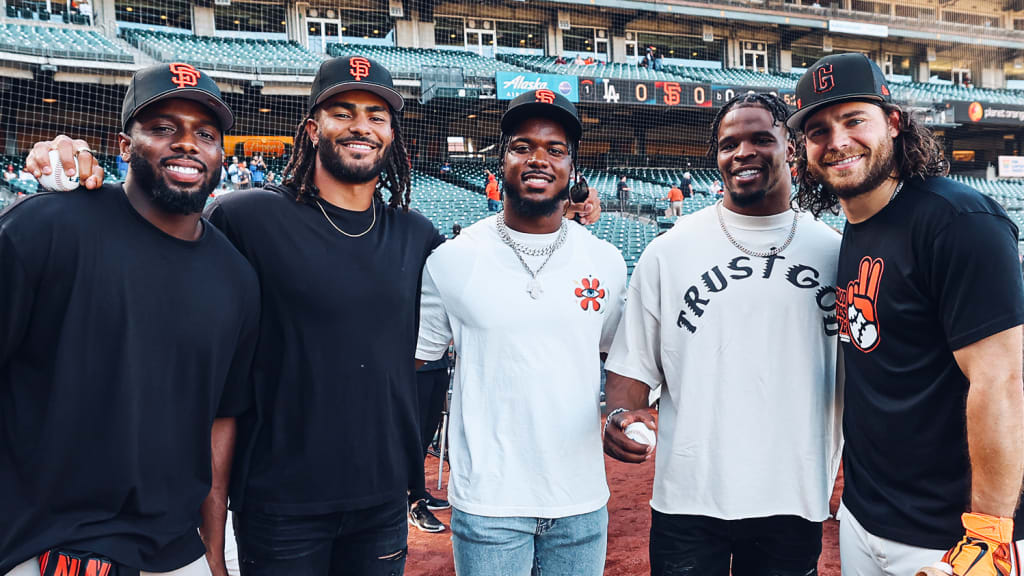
<point>58,180</point>
<point>639,432</point>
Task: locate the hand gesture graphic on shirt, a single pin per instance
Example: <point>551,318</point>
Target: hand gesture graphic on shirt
<point>862,296</point>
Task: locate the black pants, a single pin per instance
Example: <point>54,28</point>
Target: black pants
<point>432,386</point>
<point>369,542</point>
<point>684,545</point>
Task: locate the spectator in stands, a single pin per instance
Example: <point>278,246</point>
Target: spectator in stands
<point>687,185</point>
<point>258,168</point>
<point>622,192</point>
<point>658,63</point>
<point>9,174</point>
<point>146,322</point>
<point>589,61</point>
<point>560,60</point>
<point>527,412</point>
<point>244,176</point>
<point>649,57</point>
<point>122,168</point>
<point>493,193</point>
<point>432,384</point>
<point>579,61</point>
<point>446,171</point>
<point>736,306</point>
<point>456,229</point>
<point>675,199</point>
<point>716,188</point>
<point>233,172</point>
<point>931,305</point>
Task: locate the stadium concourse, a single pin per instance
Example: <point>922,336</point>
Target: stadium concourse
<point>647,76</point>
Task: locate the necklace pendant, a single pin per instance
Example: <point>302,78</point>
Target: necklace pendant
<point>534,288</point>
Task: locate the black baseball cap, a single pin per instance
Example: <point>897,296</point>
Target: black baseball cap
<point>834,79</point>
<point>175,80</point>
<point>543,103</point>
<point>346,73</point>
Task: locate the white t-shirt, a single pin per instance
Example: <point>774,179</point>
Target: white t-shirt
<point>525,428</point>
<point>746,347</point>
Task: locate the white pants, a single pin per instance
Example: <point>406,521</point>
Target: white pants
<point>198,568</point>
<point>864,554</point>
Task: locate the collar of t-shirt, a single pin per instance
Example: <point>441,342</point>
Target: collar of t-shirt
<point>736,220</point>
<point>532,241</point>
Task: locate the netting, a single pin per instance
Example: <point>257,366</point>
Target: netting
<point>647,79</point>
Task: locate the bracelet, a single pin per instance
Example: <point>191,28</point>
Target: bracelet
<point>609,418</point>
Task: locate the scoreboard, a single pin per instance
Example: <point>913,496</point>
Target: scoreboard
<point>666,93</point>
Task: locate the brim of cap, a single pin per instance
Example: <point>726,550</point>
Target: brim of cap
<point>513,117</point>
<point>219,107</point>
<point>796,121</point>
<point>390,96</point>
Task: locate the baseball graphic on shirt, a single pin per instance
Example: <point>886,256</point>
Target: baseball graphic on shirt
<point>640,433</point>
<point>58,180</point>
<point>861,309</point>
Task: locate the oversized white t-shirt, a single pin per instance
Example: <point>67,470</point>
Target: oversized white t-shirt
<point>524,426</point>
<point>750,415</point>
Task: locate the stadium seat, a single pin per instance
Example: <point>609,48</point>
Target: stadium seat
<point>228,54</point>
<point>407,62</point>
<point>73,43</point>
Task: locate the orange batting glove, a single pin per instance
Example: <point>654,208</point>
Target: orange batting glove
<point>985,547</point>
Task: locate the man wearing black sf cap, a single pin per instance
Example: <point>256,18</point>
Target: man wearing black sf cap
<point>127,329</point>
<point>531,300</point>
<point>930,305</point>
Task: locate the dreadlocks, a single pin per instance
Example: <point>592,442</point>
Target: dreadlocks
<point>769,102</point>
<point>396,176</point>
<point>916,154</point>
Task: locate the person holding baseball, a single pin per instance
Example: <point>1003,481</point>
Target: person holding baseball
<point>930,304</point>
<point>531,300</point>
<point>741,337</point>
<point>128,326</point>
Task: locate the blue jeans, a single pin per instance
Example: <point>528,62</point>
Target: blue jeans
<point>493,205</point>
<point>517,546</point>
<point>369,542</point>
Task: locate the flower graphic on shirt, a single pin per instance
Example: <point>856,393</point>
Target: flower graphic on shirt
<point>590,294</point>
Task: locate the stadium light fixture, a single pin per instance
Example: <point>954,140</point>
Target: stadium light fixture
<point>163,16</point>
<point>264,110</point>
<point>471,116</point>
<point>129,9</point>
<point>50,100</point>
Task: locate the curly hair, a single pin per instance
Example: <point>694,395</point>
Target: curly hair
<point>916,154</point>
<point>396,176</point>
<point>770,102</point>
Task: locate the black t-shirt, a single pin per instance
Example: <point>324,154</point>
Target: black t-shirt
<point>623,189</point>
<point>687,188</point>
<point>119,344</point>
<point>336,426</point>
<point>932,272</point>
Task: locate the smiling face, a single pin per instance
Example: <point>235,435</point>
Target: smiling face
<point>353,134</point>
<point>537,166</point>
<point>175,154</point>
<point>753,158</point>
<point>850,147</point>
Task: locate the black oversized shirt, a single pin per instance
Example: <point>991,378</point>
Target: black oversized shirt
<point>934,271</point>
<point>336,425</point>
<point>119,344</point>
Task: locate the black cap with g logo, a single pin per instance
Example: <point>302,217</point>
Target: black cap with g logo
<point>834,79</point>
<point>175,80</point>
<point>346,73</point>
<point>543,103</point>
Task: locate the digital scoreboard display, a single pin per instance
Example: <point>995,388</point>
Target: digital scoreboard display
<point>666,93</point>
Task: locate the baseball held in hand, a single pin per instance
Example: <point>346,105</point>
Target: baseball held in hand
<point>640,433</point>
<point>58,180</point>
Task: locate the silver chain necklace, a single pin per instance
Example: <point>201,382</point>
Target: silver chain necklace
<point>748,251</point>
<point>533,287</point>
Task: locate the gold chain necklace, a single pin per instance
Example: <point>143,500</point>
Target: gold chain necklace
<point>363,233</point>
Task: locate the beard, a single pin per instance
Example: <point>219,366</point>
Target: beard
<point>749,199</point>
<point>530,208</point>
<point>333,162</point>
<point>881,162</point>
<point>167,198</point>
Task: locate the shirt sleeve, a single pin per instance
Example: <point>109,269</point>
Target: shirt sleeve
<point>238,392</point>
<point>636,350</point>
<point>435,331</point>
<point>976,278</point>
<point>17,291</point>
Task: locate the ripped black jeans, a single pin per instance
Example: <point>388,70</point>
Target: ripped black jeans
<point>683,545</point>
<point>370,542</point>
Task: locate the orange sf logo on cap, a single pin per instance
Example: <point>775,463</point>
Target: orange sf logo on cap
<point>359,68</point>
<point>546,96</point>
<point>184,75</point>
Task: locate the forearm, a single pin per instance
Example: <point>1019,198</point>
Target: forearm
<point>623,392</point>
<point>995,437</point>
<point>215,508</point>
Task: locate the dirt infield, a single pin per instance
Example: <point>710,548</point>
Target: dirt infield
<point>629,522</point>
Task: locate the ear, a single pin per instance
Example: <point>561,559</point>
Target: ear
<point>790,150</point>
<point>311,131</point>
<point>893,119</point>
<point>124,145</point>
